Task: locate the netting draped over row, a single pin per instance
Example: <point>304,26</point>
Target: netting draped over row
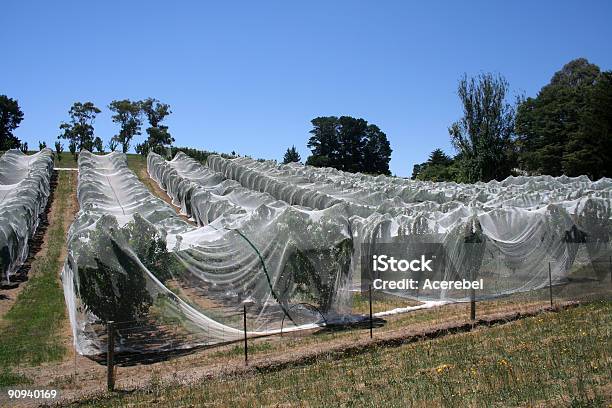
<point>506,232</point>
<point>275,237</point>
<point>24,191</point>
<point>132,258</point>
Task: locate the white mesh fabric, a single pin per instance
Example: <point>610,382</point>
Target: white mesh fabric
<point>24,191</point>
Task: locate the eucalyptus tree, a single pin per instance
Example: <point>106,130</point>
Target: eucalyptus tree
<point>79,131</point>
<point>10,118</point>
<point>484,135</point>
<point>128,114</point>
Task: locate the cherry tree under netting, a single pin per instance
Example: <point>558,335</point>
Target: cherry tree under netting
<point>24,191</point>
<point>289,242</point>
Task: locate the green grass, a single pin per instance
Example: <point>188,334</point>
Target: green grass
<point>238,350</point>
<point>66,160</point>
<point>30,328</point>
<point>7,377</point>
<point>138,164</point>
<point>560,359</point>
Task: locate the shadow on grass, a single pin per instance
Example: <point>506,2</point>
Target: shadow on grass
<point>364,323</point>
<point>128,359</point>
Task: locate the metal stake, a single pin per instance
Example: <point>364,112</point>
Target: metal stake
<point>472,300</point>
<point>110,356</point>
<point>246,346</point>
<point>550,285</point>
<point>370,295</point>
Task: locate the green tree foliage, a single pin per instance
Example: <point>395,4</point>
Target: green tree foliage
<point>59,148</point>
<point>142,148</point>
<point>376,152</point>
<point>312,272</point>
<point>484,135</point>
<point>42,145</point>
<point>23,147</point>
<point>565,128</point>
<point>590,150</point>
<point>158,135</point>
<point>113,285</point>
<point>112,145</point>
<point>199,155</point>
<point>307,280</point>
<point>98,145</point>
<point>149,245</point>
<point>439,167</point>
<point>80,131</point>
<point>10,118</point>
<point>128,115</point>
<point>349,144</point>
<point>291,155</point>
<point>72,146</point>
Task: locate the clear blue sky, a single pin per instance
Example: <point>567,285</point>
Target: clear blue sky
<point>249,76</point>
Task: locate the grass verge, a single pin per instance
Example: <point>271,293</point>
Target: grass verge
<point>30,328</point>
<point>67,160</point>
<point>560,359</point>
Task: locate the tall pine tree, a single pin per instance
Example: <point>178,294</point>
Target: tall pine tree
<point>554,129</point>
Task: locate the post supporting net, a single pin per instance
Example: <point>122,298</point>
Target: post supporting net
<point>289,242</point>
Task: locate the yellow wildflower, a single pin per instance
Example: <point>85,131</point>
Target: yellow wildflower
<point>441,368</point>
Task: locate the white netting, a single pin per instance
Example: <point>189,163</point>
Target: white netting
<point>24,190</point>
<point>507,232</point>
<point>288,240</point>
<point>132,257</point>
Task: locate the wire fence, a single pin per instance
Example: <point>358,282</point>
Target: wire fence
<point>143,342</point>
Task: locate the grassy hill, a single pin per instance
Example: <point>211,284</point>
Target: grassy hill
<point>66,160</point>
<point>554,359</point>
<point>551,359</point>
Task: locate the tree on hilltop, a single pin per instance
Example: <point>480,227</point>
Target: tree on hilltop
<point>291,155</point>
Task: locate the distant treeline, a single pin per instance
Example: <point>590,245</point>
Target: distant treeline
<point>199,155</point>
<point>565,129</point>
<point>10,118</point>
<point>78,131</point>
<point>346,143</point>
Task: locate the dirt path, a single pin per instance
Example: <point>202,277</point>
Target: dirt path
<point>70,213</point>
<point>39,246</point>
